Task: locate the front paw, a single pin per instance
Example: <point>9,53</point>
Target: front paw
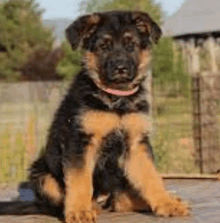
<point>169,206</point>
<point>81,217</point>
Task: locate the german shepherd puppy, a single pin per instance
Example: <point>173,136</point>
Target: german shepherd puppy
<point>99,140</point>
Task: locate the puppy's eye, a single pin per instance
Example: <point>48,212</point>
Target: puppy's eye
<point>103,46</point>
<point>106,45</point>
<point>129,44</point>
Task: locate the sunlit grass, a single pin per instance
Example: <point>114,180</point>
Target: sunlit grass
<point>173,135</point>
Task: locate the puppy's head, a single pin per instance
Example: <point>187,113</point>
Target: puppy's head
<point>117,46</point>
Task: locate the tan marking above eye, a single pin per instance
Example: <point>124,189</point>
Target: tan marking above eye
<point>130,38</point>
<point>107,42</point>
<point>106,39</point>
<point>107,36</point>
<point>128,34</point>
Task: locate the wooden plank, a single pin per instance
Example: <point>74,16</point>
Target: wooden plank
<point>191,176</point>
<point>213,48</point>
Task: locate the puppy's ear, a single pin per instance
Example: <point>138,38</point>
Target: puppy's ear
<point>82,28</point>
<point>146,25</point>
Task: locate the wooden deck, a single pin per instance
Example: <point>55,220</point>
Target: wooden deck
<point>203,195</point>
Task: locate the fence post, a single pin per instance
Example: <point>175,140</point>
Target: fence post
<point>205,127</point>
<point>197,128</point>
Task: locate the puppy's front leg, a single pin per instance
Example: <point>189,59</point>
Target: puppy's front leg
<point>142,174</point>
<point>79,190</point>
<point>78,198</point>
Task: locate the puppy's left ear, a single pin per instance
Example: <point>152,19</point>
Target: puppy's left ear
<point>82,28</point>
<point>146,25</point>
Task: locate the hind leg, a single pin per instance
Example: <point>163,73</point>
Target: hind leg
<point>47,188</point>
<point>129,201</point>
<point>50,188</point>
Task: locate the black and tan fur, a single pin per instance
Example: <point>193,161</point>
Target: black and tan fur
<point>99,142</point>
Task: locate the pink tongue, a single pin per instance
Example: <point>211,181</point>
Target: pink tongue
<point>121,93</point>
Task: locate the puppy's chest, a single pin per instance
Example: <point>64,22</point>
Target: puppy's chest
<point>100,124</point>
<point>113,136</point>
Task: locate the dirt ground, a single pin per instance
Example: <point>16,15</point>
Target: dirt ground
<point>203,196</point>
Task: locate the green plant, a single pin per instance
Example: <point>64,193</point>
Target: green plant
<point>22,32</point>
<point>71,62</point>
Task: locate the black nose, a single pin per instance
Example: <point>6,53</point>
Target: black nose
<point>121,69</point>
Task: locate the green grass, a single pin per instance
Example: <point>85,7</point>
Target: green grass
<point>172,140</point>
<point>12,153</point>
<point>23,132</point>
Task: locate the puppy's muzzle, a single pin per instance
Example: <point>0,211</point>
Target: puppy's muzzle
<point>120,70</point>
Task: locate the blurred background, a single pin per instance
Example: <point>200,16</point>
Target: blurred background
<point>37,64</point>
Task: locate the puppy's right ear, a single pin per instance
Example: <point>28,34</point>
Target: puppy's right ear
<point>82,28</point>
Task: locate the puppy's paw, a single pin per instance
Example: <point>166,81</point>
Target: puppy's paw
<point>82,217</point>
<point>169,206</point>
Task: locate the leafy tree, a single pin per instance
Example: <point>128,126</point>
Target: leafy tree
<point>22,32</point>
<point>150,6</point>
<point>42,65</point>
<point>70,64</point>
<point>163,60</point>
<point>168,69</point>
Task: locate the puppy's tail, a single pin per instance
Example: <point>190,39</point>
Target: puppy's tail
<point>21,208</point>
<point>26,208</point>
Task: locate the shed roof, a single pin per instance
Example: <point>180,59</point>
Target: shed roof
<point>194,17</point>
